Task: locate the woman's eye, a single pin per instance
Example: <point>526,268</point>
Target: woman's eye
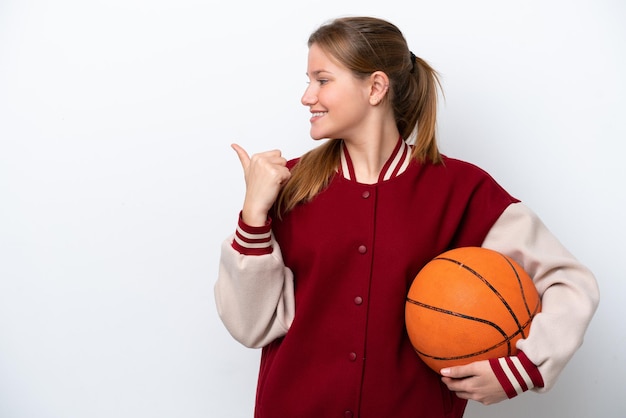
<point>322,81</point>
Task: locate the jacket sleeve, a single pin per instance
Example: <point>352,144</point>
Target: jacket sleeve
<point>254,292</point>
<point>569,291</point>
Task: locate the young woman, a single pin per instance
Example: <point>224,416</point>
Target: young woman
<point>327,246</point>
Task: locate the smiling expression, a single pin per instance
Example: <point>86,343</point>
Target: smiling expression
<point>338,100</point>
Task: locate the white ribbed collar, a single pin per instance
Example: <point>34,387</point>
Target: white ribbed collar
<point>396,164</point>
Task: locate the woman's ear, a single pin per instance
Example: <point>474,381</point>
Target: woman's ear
<point>379,86</point>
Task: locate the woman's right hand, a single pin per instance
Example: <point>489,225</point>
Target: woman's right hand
<point>265,173</point>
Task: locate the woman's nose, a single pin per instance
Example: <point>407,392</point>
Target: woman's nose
<point>308,98</point>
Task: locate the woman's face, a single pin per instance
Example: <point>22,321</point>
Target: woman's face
<point>338,101</point>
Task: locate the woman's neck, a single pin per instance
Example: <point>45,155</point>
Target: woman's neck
<point>369,154</point>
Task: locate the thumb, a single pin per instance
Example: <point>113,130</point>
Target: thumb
<point>457,372</point>
<point>244,158</point>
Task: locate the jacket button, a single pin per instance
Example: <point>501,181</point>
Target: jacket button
<point>348,414</point>
<point>362,249</point>
<point>366,194</point>
<point>358,300</point>
<point>352,356</point>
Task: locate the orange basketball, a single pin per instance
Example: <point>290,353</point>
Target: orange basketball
<point>469,304</point>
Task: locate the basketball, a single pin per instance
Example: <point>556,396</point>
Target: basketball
<point>469,304</point>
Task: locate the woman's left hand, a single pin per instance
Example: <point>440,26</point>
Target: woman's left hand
<point>475,381</point>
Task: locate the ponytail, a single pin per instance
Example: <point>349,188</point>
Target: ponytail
<point>419,104</point>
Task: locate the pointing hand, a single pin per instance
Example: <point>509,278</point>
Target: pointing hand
<point>264,173</point>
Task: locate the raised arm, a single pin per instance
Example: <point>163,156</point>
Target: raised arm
<point>254,290</point>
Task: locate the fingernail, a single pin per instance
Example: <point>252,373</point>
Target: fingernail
<point>445,372</point>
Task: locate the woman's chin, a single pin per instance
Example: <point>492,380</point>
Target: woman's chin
<point>317,137</point>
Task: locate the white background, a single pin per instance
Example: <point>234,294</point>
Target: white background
<point>117,183</point>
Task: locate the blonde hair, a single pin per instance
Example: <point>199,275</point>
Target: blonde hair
<point>365,45</point>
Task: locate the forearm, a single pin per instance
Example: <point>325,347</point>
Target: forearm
<point>254,294</point>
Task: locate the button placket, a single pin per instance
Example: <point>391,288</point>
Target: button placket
<point>358,299</point>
